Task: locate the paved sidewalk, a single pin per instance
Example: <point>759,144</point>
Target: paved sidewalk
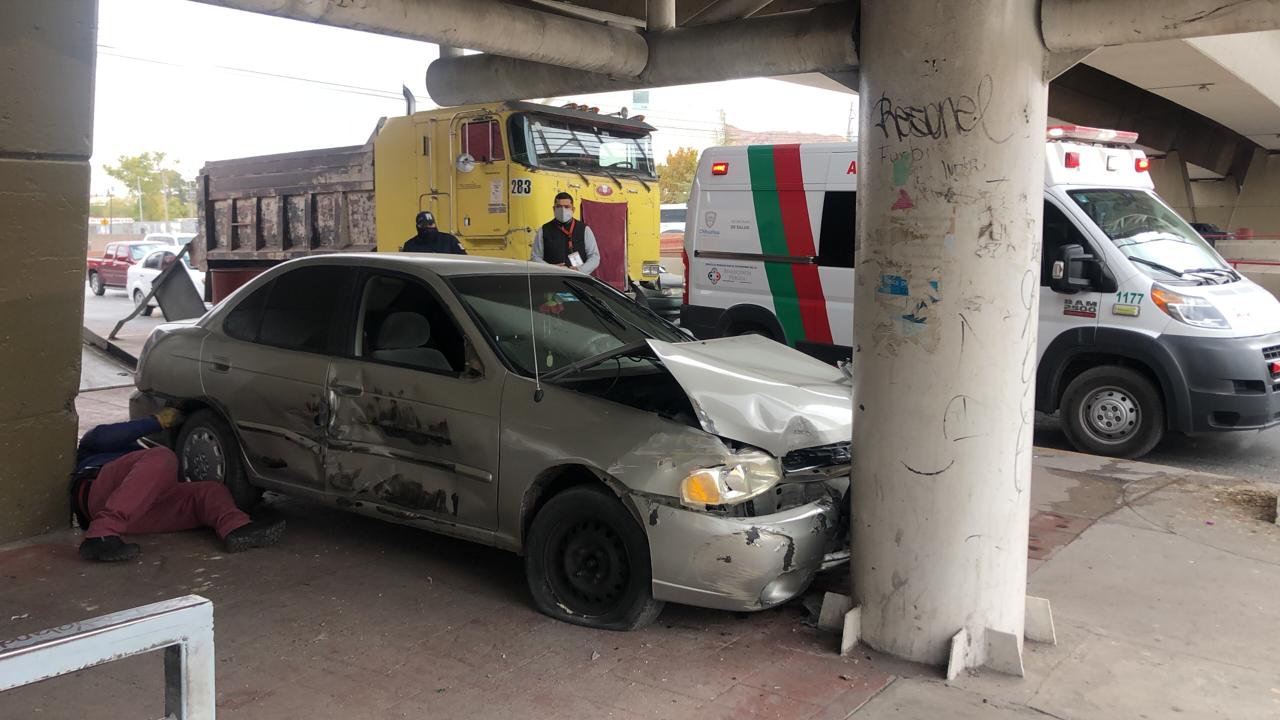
<point>1164,586</point>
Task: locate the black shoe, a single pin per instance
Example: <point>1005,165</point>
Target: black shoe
<point>258,533</point>
<point>108,549</point>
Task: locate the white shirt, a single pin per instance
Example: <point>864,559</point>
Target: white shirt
<point>590,254</point>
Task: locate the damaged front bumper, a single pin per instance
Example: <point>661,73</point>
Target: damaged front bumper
<point>737,563</point>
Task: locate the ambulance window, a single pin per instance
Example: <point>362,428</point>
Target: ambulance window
<point>1058,231</point>
<point>483,141</point>
<point>835,241</point>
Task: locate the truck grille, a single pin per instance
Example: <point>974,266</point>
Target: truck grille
<point>1271,353</point>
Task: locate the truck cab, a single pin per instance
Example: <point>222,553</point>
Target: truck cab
<point>1143,327</point>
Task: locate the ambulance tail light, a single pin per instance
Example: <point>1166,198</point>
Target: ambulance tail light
<point>720,168</point>
<point>1071,160</point>
<point>684,292</point>
<point>1141,164</point>
<point>1091,134</point>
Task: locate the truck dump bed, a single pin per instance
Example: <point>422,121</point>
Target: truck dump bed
<point>256,211</point>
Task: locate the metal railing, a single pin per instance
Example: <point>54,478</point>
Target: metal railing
<point>183,627</point>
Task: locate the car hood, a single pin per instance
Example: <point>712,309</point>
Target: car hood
<point>762,393</point>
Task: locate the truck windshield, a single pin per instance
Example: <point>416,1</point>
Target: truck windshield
<point>1152,235</point>
<point>572,319</point>
<point>580,146</point>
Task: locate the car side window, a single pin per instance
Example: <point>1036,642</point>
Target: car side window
<point>153,261</point>
<point>402,322</point>
<point>110,252</point>
<point>835,241</point>
<point>1058,231</point>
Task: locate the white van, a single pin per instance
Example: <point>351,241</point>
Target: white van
<point>1143,326</point>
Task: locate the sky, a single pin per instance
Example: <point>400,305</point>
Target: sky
<point>202,83</point>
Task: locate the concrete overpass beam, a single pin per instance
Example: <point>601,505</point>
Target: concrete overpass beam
<point>725,10</point>
<point>46,137</point>
<point>820,40</point>
<point>946,286</point>
<point>1089,24</point>
<point>486,25</point>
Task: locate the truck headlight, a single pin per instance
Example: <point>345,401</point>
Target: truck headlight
<point>1187,309</point>
<point>650,268</point>
<point>750,473</point>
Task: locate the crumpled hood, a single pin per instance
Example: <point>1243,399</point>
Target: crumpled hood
<point>756,391</point>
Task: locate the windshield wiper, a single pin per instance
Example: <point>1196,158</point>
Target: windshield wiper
<point>1229,272</point>
<point>1150,263</point>
<point>590,362</point>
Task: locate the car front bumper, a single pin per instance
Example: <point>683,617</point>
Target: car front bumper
<point>736,563</point>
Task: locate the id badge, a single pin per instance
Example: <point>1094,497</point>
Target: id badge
<point>575,260</point>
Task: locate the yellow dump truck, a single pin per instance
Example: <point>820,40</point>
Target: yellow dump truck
<point>489,173</point>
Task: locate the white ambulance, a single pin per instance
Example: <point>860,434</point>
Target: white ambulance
<point>1143,326</point>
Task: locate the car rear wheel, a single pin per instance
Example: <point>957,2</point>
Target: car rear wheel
<point>587,562</point>
<point>1113,411</point>
<point>138,298</point>
<point>95,282</point>
<point>208,451</point>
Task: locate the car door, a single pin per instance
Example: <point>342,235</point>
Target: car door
<point>1076,313</point>
<point>414,425</point>
<point>267,366</point>
<point>113,266</point>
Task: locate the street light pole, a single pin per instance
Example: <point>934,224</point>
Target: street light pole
<point>138,182</point>
<point>111,230</point>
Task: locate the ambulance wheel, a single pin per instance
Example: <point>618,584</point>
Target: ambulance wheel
<point>1113,411</point>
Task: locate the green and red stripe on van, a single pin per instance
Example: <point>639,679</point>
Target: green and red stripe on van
<point>782,216</point>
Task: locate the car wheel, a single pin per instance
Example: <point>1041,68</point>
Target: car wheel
<point>208,451</point>
<point>138,298</point>
<point>1113,411</point>
<point>587,562</point>
<point>95,282</point>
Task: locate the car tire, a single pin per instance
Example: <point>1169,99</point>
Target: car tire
<point>95,282</point>
<point>586,530</point>
<point>1113,411</point>
<point>138,297</point>
<point>207,449</point>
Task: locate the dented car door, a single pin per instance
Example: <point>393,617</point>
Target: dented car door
<point>413,429</point>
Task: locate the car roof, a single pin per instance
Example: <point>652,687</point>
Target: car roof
<point>440,264</point>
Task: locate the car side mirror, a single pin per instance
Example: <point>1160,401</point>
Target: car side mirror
<point>1073,270</point>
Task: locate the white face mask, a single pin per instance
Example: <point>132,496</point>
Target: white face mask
<point>564,214</point>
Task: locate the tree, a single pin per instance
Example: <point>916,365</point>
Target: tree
<point>159,186</point>
<point>675,176</point>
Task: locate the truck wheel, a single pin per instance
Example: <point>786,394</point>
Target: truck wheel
<point>1113,411</point>
<point>95,282</point>
<point>208,451</point>
<point>137,300</point>
<point>587,562</point>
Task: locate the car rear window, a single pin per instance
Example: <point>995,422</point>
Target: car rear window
<point>304,309</point>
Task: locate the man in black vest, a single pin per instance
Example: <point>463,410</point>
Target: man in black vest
<point>566,241</point>
<point>430,240</point>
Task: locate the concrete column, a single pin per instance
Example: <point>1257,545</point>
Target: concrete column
<point>949,211</point>
<point>46,130</point>
<point>661,15</point>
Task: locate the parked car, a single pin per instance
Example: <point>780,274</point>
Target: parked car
<point>178,239</point>
<point>111,270</point>
<point>140,276</point>
<point>665,296</point>
<point>522,406</point>
<point>671,218</point>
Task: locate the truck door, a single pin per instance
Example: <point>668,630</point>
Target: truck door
<point>608,223</point>
<point>481,192</point>
<point>1060,312</point>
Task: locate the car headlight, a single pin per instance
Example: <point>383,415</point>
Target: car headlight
<point>1187,309</point>
<point>750,473</point>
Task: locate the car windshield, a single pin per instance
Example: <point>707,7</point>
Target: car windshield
<point>577,145</point>
<point>572,319</point>
<point>1152,235</point>
<point>137,252</point>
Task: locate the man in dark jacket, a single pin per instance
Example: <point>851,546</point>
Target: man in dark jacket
<point>430,240</point>
<point>566,241</point>
<point>119,487</point>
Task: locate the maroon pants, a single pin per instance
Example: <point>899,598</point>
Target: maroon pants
<point>139,494</point>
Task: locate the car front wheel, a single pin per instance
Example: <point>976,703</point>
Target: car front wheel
<point>95,282</point>
<point>138,298</point>
<point>587,562</point>
<point>208,451</point>
<point>1113,411</point>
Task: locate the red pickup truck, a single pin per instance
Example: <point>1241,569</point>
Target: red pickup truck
<point>111,270</point>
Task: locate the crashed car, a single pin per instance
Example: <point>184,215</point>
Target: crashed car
<point>523,406</point>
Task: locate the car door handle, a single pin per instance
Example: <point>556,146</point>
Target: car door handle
<point>347,390</point>
<point>220,364</point>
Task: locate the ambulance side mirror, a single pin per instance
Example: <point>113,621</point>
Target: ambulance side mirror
<point>1073,270</point>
